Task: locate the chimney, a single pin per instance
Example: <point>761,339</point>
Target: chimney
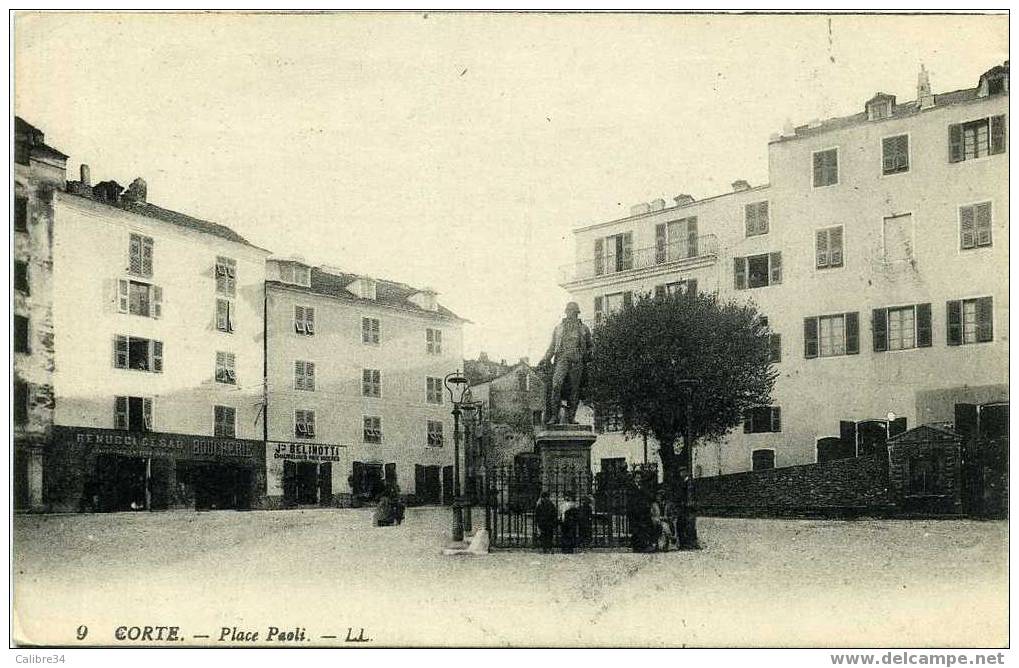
<point>740,185</point>
<point>657,204</point>
<point>502,362</point>
<point>86,175</point>
<point>482,356</point>
<point>137,191</point>
<point>639,209</point>
<point>107,191</point>
<point>924,96</point>
<point>683,199</point>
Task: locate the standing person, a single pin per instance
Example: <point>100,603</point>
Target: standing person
<point>586,521</point>
<point>384,511</point>
<point>568,355</point>
<point>545,520</point>
<point>660,518</point>
<point>569,536</point>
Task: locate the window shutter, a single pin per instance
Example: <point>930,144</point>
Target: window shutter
<point>763,217</point>
<point>775,347</point>
<point>147,413</point>
<point>853,333</point>
<point>627,241</point>
<point>599,257</point>
<point>627,299</point>
<point>120,352</point>
<point>309,375</point>
<point>967,226</point>
<point>835,246</point>
<point>776,418</point>
<point>147,256</point>
<point>810,338</point>
<point>120,412</point>
<point>309,417</point>
<point>157,301</point>
<point>740,273</point>
<point>156,349</point>
<point>661,244</point>
<point>775,262</point>
<point>983,224</point>
<point>135,255</point>
<point>309,320</point>
<point>691,287</point>
<point>660,292</point>
<point>879,329</point>
<point>599,310</point>
<point>888,155</point>
<point>954,310</point>
<point>985,319</point>
<point>896,427</point>
<point>750,216</point>
<point>691,236</point>
<point>299,319</point>
<point>822,248</point>
<point>229,316</point>
<point>955,143</point>
<point>123,303</point>
<point>997,134</point>
<point>847,434</point>
<point>923,326</point>
<point>222,321</point>
<point>818,169</point>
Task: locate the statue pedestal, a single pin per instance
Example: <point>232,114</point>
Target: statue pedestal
<point>564,448</point>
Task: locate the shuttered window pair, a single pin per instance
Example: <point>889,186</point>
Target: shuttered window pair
<point>304,424</point>
<point>676,240</point>
<point>970,321</point>
<point>895,155</point>
<point>826,167</point>
<point>132,413</point>
<point>370,330</point>
<point>756,218</point>
<point>225,368</point>
<point>433,390</point>
<point>226,276</point>
<point>829,248</point>
<point>686,287</point>
<point>975,225</point>
<point>434,433</point>
<point>132,352</point>
<point>762,419</point>
<point>901,328</point>
<point>372,432</point>
<point>976,139</point>
<point>612,254</point>
<point>757,271</point>
<point>304,320</point>
<point>606,305</point>
<point>225,422</point>
<point>140,256</point>
<point>371,383</point>
<point>139,298</point>
<point>304,375</point>
<point>831,335</point>
<point>433,341</point>
<point>225,315</point>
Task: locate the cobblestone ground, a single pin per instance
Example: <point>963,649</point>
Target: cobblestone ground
<point>756,583</point>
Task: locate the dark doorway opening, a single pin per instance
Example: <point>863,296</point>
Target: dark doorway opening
<point>427,484</point>
<point>119,484</point>
<point>221,487</point>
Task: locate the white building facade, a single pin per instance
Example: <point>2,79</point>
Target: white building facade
<point>878,254</point>
<point>355,369</point>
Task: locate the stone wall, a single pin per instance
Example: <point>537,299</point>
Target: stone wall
<point>841,488</point>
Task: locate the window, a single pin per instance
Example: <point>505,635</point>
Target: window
<point>132,352</point>
<point>970,321</point>
<point>433,392</point>
<point>140,256</point>
<point>831,335</point>
<point>21,214</point>
<point>132,413</point>
<point>757,271</point>
<point>371,383</point>
<point>762,419</point>
<point>304,320</point>
<point>976,139</point>
<point>21,277</point>
<point>686,287</point>
<point>895,154</point>
<point>372,429</point>
<point>139,298</point>
<point>434,433</point>
<point>826,167</point>
<point>613,254</point>
<point>226,276</point>
<point>433,341</point>
<point>774,347</point>
<point>225,371</point>
<point>829,249</point>
<point>370,330</point>
<point>21,344</point>
<point>975,225</point>
<point>898,238</point>
<point>304,424</point>
<point>881,108</point>
<point>756,218</point>
<point>608,421</point>
<point>22,398</point>
<point>763,459</point>
<point>298,274</point>
<point>304,375</point>
<point>902,327</point>
<point>225,424</point>
<point>606,305</point>
<point>676,240</point>
<point>224,315</point>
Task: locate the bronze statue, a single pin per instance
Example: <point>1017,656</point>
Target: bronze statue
<point>566,362</point>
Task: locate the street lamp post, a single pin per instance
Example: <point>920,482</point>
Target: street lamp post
<point>689,532</point>
<point>456,383</point>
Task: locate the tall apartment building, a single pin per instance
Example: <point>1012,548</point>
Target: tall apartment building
<point>38,175</point>
<point>355,369</point>
<point>878,254</point>
<point>158,329</point>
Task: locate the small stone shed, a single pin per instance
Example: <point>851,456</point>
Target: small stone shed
<point>924,469</point>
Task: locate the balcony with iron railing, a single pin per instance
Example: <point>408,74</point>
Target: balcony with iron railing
<point>691,252</point>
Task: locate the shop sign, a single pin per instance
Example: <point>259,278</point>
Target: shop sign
<point>179,446</point>
<point>305,451</point>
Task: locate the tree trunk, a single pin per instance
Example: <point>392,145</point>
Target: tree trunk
<point>670,463</point>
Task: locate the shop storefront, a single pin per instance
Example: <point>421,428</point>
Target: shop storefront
<point>305,474</point>
<point>108,470</point>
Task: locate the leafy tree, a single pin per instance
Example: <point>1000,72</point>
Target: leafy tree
<point>646,354</point>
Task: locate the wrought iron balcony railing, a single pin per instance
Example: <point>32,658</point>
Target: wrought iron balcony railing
<point>620,260</point>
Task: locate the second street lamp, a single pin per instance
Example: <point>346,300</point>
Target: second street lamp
<point>456,383</point>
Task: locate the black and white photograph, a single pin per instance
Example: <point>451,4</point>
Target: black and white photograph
<point>510,329</point>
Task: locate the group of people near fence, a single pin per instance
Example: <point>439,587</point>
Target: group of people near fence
<point>570,522</point>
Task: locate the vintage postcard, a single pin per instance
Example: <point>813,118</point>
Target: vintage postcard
<point>530,329</point>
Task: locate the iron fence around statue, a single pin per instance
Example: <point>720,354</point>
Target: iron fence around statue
<point>510,495</point>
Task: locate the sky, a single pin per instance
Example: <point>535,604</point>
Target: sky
<point>457,151</point>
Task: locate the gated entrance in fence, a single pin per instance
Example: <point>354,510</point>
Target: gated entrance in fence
<point>509,495</point>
